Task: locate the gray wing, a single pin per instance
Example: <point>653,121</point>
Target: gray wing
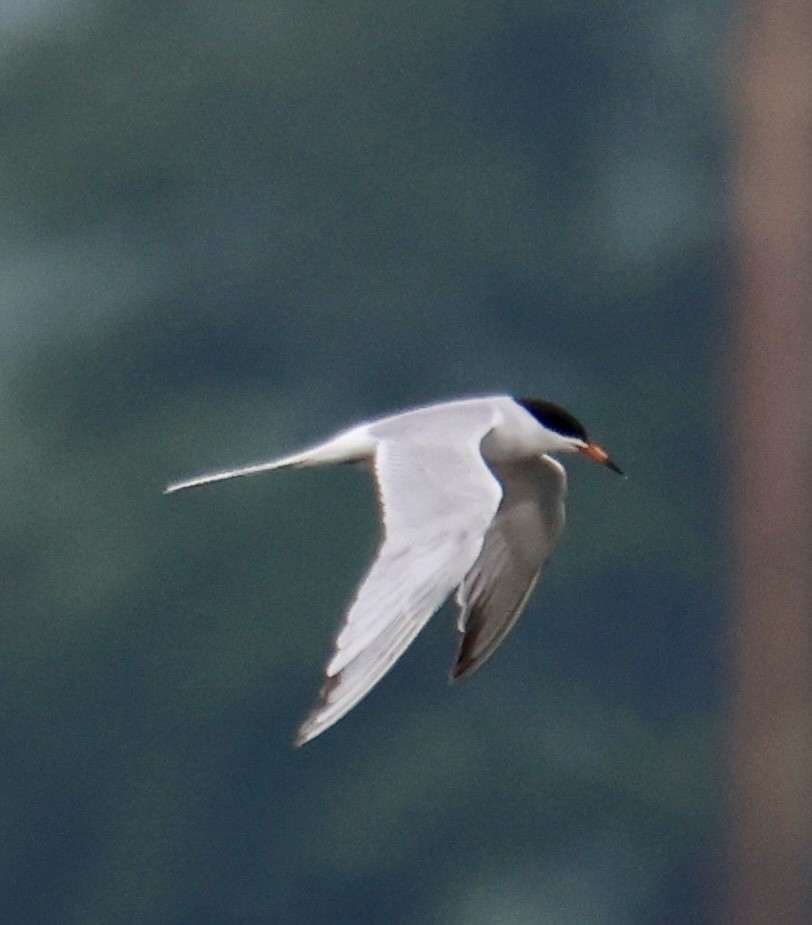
<point>437,499</point>
<point>494,593</point>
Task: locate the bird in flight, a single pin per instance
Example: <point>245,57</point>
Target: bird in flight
<point>471,501</point>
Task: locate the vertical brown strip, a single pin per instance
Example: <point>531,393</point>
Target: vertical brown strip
<point>770,651</point>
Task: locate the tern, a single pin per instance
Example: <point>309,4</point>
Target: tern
<point>471,501</point>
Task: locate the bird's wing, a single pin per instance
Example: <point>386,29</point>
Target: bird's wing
<point>437,498</point>
<point>494,592</point>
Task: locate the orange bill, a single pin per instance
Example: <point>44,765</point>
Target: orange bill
<point>599,455</point>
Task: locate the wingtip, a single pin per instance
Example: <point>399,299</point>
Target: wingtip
<point>307,731</point>
<point>460,669</point>
<point>317,720</point>
<point>467,660</point>
<point>300,739</point>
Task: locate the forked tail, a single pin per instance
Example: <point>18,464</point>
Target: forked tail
<point>297,460</point>
<point>351,446</point>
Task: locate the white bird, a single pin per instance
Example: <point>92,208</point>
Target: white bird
<point>471,501</point>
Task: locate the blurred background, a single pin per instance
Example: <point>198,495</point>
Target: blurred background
<point>227,230</point>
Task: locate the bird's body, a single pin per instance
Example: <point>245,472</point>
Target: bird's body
<point>471,501</point>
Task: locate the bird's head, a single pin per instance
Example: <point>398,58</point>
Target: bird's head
<point>572,433</point>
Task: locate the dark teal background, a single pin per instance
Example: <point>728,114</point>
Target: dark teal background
<point>229,229</point>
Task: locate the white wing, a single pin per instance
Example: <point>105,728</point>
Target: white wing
<point>518,543</point>
<point>437,500</point>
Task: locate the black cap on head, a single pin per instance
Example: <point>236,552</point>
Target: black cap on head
<point>554,417</point>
